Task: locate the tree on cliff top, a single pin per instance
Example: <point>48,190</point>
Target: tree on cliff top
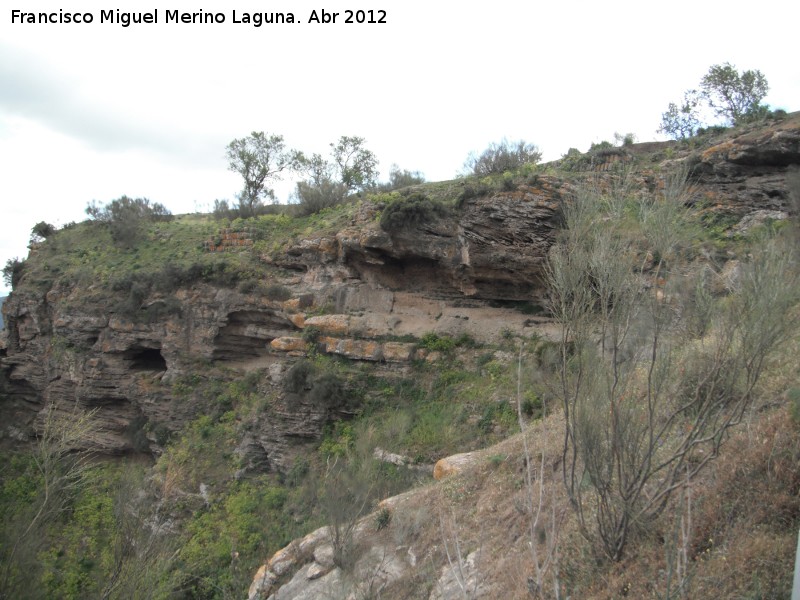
<point>357,167</point>
<point>260,159</point>
<point>735,97</point>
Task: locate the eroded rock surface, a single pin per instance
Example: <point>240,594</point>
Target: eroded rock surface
<point>362,293</point>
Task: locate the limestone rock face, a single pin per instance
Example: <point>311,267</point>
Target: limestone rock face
<point>494,249</point>
<point>747,172</point>
<point>62,351</point>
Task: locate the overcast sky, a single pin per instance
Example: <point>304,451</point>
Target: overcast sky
<point>95,111</point>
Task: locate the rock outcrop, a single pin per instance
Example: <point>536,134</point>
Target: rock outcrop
<point>362,293</point>
<point>746,173</point>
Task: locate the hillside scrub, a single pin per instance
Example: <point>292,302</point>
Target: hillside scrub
<point>653,367</point>
<point>411,210</point>
<point>501,157</point>
<point>126,216</point>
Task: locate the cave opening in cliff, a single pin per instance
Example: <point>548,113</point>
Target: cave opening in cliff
<point>147,359</point>
<point>247,334</point>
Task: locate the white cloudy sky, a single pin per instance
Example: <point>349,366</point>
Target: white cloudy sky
<point>91,112</point>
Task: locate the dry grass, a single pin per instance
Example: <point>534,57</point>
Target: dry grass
<point>745,514</point>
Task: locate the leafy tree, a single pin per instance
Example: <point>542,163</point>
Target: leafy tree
<point>624,139</point>
<point>222,210</point>
<point>357,167</point>
<point>41,231</point>
<point>352,167</point>
<point>320,190</point>
<point>681,122</point>
<point>501,157</point>
<point>734,96</point>
<point>260,159</point>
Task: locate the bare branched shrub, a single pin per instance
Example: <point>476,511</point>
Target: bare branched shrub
<point>538,484</point>
<point>648,394</point>
<point>60,462</point>
<point>462,577</point>
<point>143,546</point>
<point>678,548</point>
<point>344,499</point>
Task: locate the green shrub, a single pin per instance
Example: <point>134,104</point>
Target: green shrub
<point>793,395</point>
<point>712,130</point>
<point>435,343</point>
<point>248,286</point>
<point>321,388</point>
<point>472,190</point>
<point>401,178</point>
<point>383,518</point>
<point>298,377</point>
<point>278,292</point>
<point>41,231</point>
<point>497,459</point>
<point>500,414</point>
<point>311,334</point>
<point>313,197</point>
<point>531,404</point>
<point>573,160</point>
<point>12,272</point>
<point>412,210</point>
<point>465,340</point>
<point>507,182</point>
<point>603,149</point>
<point>501,157</point>
<point>327,390</point>
<point>125,217</point>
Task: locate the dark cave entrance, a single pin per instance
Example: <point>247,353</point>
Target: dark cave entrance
<point>147,359</point>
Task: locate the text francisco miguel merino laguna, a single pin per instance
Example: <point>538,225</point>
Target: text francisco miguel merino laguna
<point>256,19</point>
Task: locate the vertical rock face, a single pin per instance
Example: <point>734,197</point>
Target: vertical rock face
<point>494,249</point>
<point>747,173</point>
<point>61,351</point>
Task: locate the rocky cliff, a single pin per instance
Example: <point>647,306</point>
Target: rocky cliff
<point>357,291</point>
<point>361,287</point>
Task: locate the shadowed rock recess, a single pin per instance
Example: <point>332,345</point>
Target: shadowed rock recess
<point>361,293</point>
